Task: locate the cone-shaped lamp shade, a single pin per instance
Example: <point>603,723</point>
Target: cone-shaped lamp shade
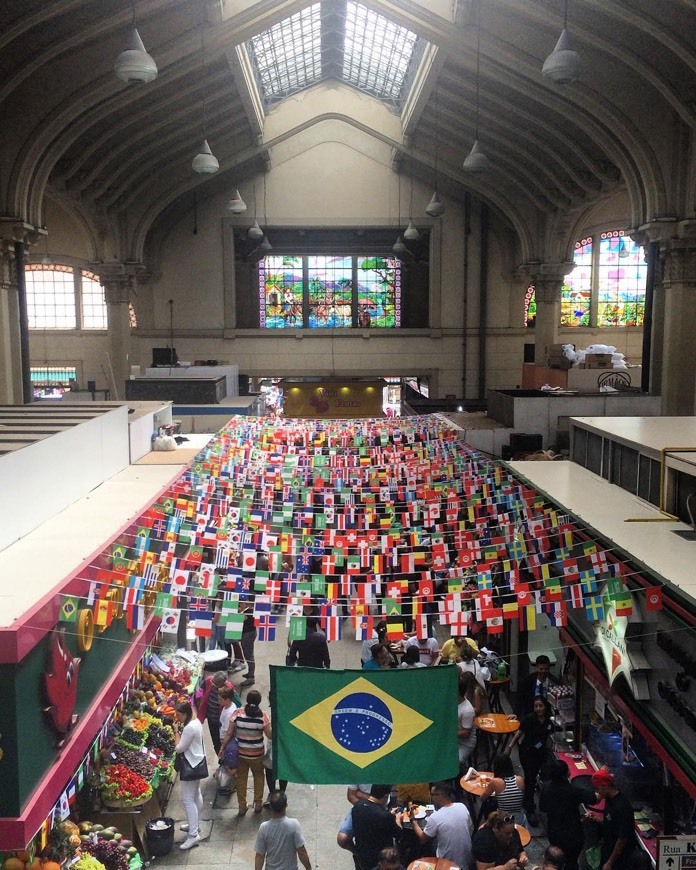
<point>477,160</point>
<point>236,205</point>
<point>435,207</point>
<point>411,233</point>
<point>255,231</point>
<point>205,161</point>
<point>623,249</point>
<point>399,247</point>
<point>563,64</point>
<point>264,247</point>
<point>134,64</point>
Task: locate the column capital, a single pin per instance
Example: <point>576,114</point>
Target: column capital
<point>117,279</point>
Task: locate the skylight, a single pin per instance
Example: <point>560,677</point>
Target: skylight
<point>287,57</point>
<point>339,39</point>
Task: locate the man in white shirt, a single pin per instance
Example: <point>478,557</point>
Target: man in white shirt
<point>280,841</point>
<point>429,649</point>
<point>450,825</point>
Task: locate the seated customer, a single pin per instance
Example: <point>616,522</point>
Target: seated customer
<point>379,658</point>
<point>507,788</point>
<point>411,658</point>
<point>497,845</point>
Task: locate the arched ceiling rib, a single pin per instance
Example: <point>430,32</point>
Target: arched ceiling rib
<point>113,147</point>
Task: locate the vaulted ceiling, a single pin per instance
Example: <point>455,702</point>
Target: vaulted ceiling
<point>122,153</point>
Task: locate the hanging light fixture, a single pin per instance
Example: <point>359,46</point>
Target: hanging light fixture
<point>134,65</point>
<point>265,247</point>
<point>205,162</point>
<point>236,205</point>
<point>435,208</point>
<point>476,161</point>
<point>411,233</point>
<point>562,66</point>
<point>623,249</point>
<point>399,247</point>
<point>255,232</point>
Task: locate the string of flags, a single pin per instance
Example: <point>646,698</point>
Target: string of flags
<point>364,518</point>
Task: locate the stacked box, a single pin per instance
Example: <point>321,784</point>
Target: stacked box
<point>598,361</point>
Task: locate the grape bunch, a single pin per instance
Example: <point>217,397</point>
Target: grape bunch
<point>133,760</point>
<point>112,855</point>
<point>160,738</point>
<point>130,735</point>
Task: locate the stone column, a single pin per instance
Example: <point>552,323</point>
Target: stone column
<point>118,280</point>
<point>12,230</point>
<point>673,364</point>
<point>548,281</point>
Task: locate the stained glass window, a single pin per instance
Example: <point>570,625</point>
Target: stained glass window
<point>576,292</point>
<point>620,281</point>
<point>530,306</point>
<point>607,286</point>
<point>330,292</point>
<point>379,292</point>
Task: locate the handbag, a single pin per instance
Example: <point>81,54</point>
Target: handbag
<point>188,771</point>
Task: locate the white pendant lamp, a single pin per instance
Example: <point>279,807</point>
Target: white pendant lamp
<point>623,250</point>
<point>399,247</point>
<point>435,208</point>
<point>255,231</point>
<point>236,205</point>
<point>205,161</point>
<point>476,161</point>
<point>411,233</point>
<point>562,66</point>
<point>134,65</point>
<point>265,246</point>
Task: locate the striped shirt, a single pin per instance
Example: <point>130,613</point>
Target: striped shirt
<point>249,734</point>
<point>511,797</point>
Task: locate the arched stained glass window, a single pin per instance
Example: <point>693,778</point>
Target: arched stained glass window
<point>607,286</point>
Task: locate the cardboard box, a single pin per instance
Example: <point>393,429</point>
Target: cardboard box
<point>559,362</point>
<point>598,361</point>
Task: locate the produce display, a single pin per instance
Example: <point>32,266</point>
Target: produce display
<point>121,785</point>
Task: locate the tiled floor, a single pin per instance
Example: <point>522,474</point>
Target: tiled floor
<point>229,839</point>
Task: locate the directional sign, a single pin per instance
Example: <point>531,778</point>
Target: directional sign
<point>676,853</point>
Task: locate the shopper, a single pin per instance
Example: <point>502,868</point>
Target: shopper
<point>228,754</point>
<point>534,739</point>
<point>561,800</point>
<point>248,640</point>
<point>507,788</point>
<point>188,737</point>
<point>251,727</point>
<point>208,704</point>
<point>280,841</point>
<point>374,827</point>
<point>497,845</point>
<point>618,824</point>
<point>450,826</point>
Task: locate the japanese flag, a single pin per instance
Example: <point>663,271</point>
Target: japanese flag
<point>249,561</point>
<point>179,580</point>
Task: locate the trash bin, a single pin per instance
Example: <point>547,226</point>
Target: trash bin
<point>159,834</point>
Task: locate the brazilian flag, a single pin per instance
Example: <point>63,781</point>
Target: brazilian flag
<point>386,726</point>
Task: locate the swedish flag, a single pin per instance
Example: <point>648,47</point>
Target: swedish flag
<point>382,726</point>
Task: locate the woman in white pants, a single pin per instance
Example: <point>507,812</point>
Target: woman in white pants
<point>188,734</point>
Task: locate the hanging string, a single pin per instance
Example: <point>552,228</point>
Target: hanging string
<point>478,63</point>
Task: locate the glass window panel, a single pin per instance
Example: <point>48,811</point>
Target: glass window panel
<point>287,57</point>
<point>93,303</point>
<point>622,274</point>
<point>50,297</point>
<point>576,292</point>
<point>132,316</point>
<point>280,281</point>
<point>330,291</point>
<point>379,292</point>
<point>378,53</point>
<point>530,306</point>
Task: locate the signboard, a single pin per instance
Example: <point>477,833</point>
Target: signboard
<point>331,399</point>
<point>676,853</point>
<point>622,653</point>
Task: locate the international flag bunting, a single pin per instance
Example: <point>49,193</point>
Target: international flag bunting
<point>170,619</point>
<point>68,608</point>
<point>333,726</point>
<point>653,598</point>
<point>594,608</point>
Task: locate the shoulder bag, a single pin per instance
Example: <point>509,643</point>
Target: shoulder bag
<point>187,771</point>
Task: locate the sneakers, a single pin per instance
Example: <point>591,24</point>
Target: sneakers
<point>243,811</point>
<point>190,842</point>
<point>247,682</point>
<point>183,827</point>
<point>236,666</point>
<point>258,808</point>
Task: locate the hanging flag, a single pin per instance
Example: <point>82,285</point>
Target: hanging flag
<point>653,598</point>
<point>577,599</point>
<point>337,724</point>
<point>233,626</point>
<point>170,619</point>
<point>594,607</point>
<point>297,629</point>
<point>527,618</point>
<point>68,608</point>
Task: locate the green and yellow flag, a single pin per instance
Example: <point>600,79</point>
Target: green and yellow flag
<point>385,726</point>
